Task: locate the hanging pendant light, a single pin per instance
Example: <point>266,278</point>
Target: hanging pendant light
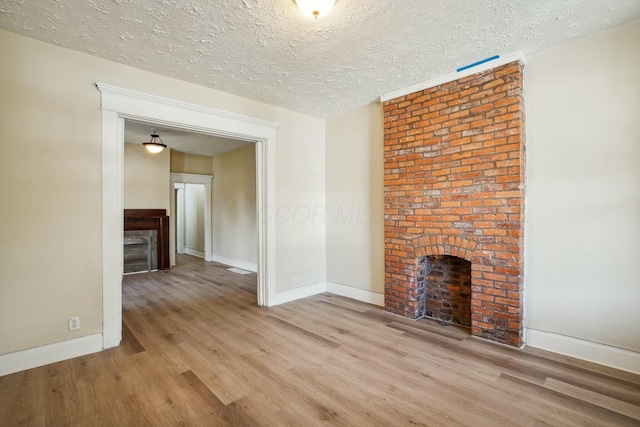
<point>315,8</point>
<point>155,145</point>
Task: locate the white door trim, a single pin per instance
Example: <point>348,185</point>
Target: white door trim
<point>191,178</point>
<point>177,218</point>
<point>118,104</point>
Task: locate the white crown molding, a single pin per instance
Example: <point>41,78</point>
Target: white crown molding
<point>50,353</point>
<point>115,90</point>
<point>356,293</point>
<point>602,354</point>
<point>518,56</point>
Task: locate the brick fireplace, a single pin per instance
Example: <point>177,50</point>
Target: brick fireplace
<point>454,187</point>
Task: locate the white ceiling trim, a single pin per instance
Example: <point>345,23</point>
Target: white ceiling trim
<point>115,90</point>
<point>191,178</point>
<point>518,55</point>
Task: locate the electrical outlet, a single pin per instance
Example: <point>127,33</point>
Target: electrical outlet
<point>74,323</point>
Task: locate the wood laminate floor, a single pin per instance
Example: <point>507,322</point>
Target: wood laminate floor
<point>197,351</point>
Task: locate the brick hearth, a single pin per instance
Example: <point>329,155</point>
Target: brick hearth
<point>454,185</point>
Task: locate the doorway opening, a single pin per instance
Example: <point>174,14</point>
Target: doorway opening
<point>118,104</point>
<point>191,218</point>
<point>189,212</point>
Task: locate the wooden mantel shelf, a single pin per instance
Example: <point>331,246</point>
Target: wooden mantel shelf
<point>151,219</point>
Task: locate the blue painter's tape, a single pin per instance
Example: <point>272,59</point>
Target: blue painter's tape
<point>475,64</point>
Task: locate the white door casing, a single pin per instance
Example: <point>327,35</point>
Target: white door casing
<point>118,104</point>
<point>177,219</point>
<point>190,178</point>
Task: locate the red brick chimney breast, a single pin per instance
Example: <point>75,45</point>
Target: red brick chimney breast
<point>454,161</point>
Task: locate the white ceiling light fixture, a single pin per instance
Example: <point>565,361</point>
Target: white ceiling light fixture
<point>155,145</point>
<point>316,8</point>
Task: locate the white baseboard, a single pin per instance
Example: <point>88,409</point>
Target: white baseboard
<point>614,357</point>
<point>194,252</point>
<point>235,263</point>
<point>50,353</point>
<point>356,293</point>
<point>334,288</point>
<point>299,293</point>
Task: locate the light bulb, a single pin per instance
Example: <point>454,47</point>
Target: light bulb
<point>154,148</point>
<point>315,8</point>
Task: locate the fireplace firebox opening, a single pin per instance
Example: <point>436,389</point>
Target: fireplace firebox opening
<point>446,283</point>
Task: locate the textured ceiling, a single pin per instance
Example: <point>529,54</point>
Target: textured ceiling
<point>179,140</point>
<point>268,51</point>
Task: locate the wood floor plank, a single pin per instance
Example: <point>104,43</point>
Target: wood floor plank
<point>198,351</point>
<point>594,398</point>
<point>225,415</point>
<point>451,331</point>
<point>222,382</point>
<point>296,329</point>
<point>579,374</point>
<point>606,371</point>
<point>131,340</point>
<point>597,415</point>
<point>624,392</point>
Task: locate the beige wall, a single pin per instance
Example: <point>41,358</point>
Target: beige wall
<point>50,158</point>
<point>234,231</point>
<point>194,217</point>
<point>582,232</point>
<point>146,178</point>
<point>583,189</point>
<point>355,200</point>
<point>191,163</point>
<point>300,206</point>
